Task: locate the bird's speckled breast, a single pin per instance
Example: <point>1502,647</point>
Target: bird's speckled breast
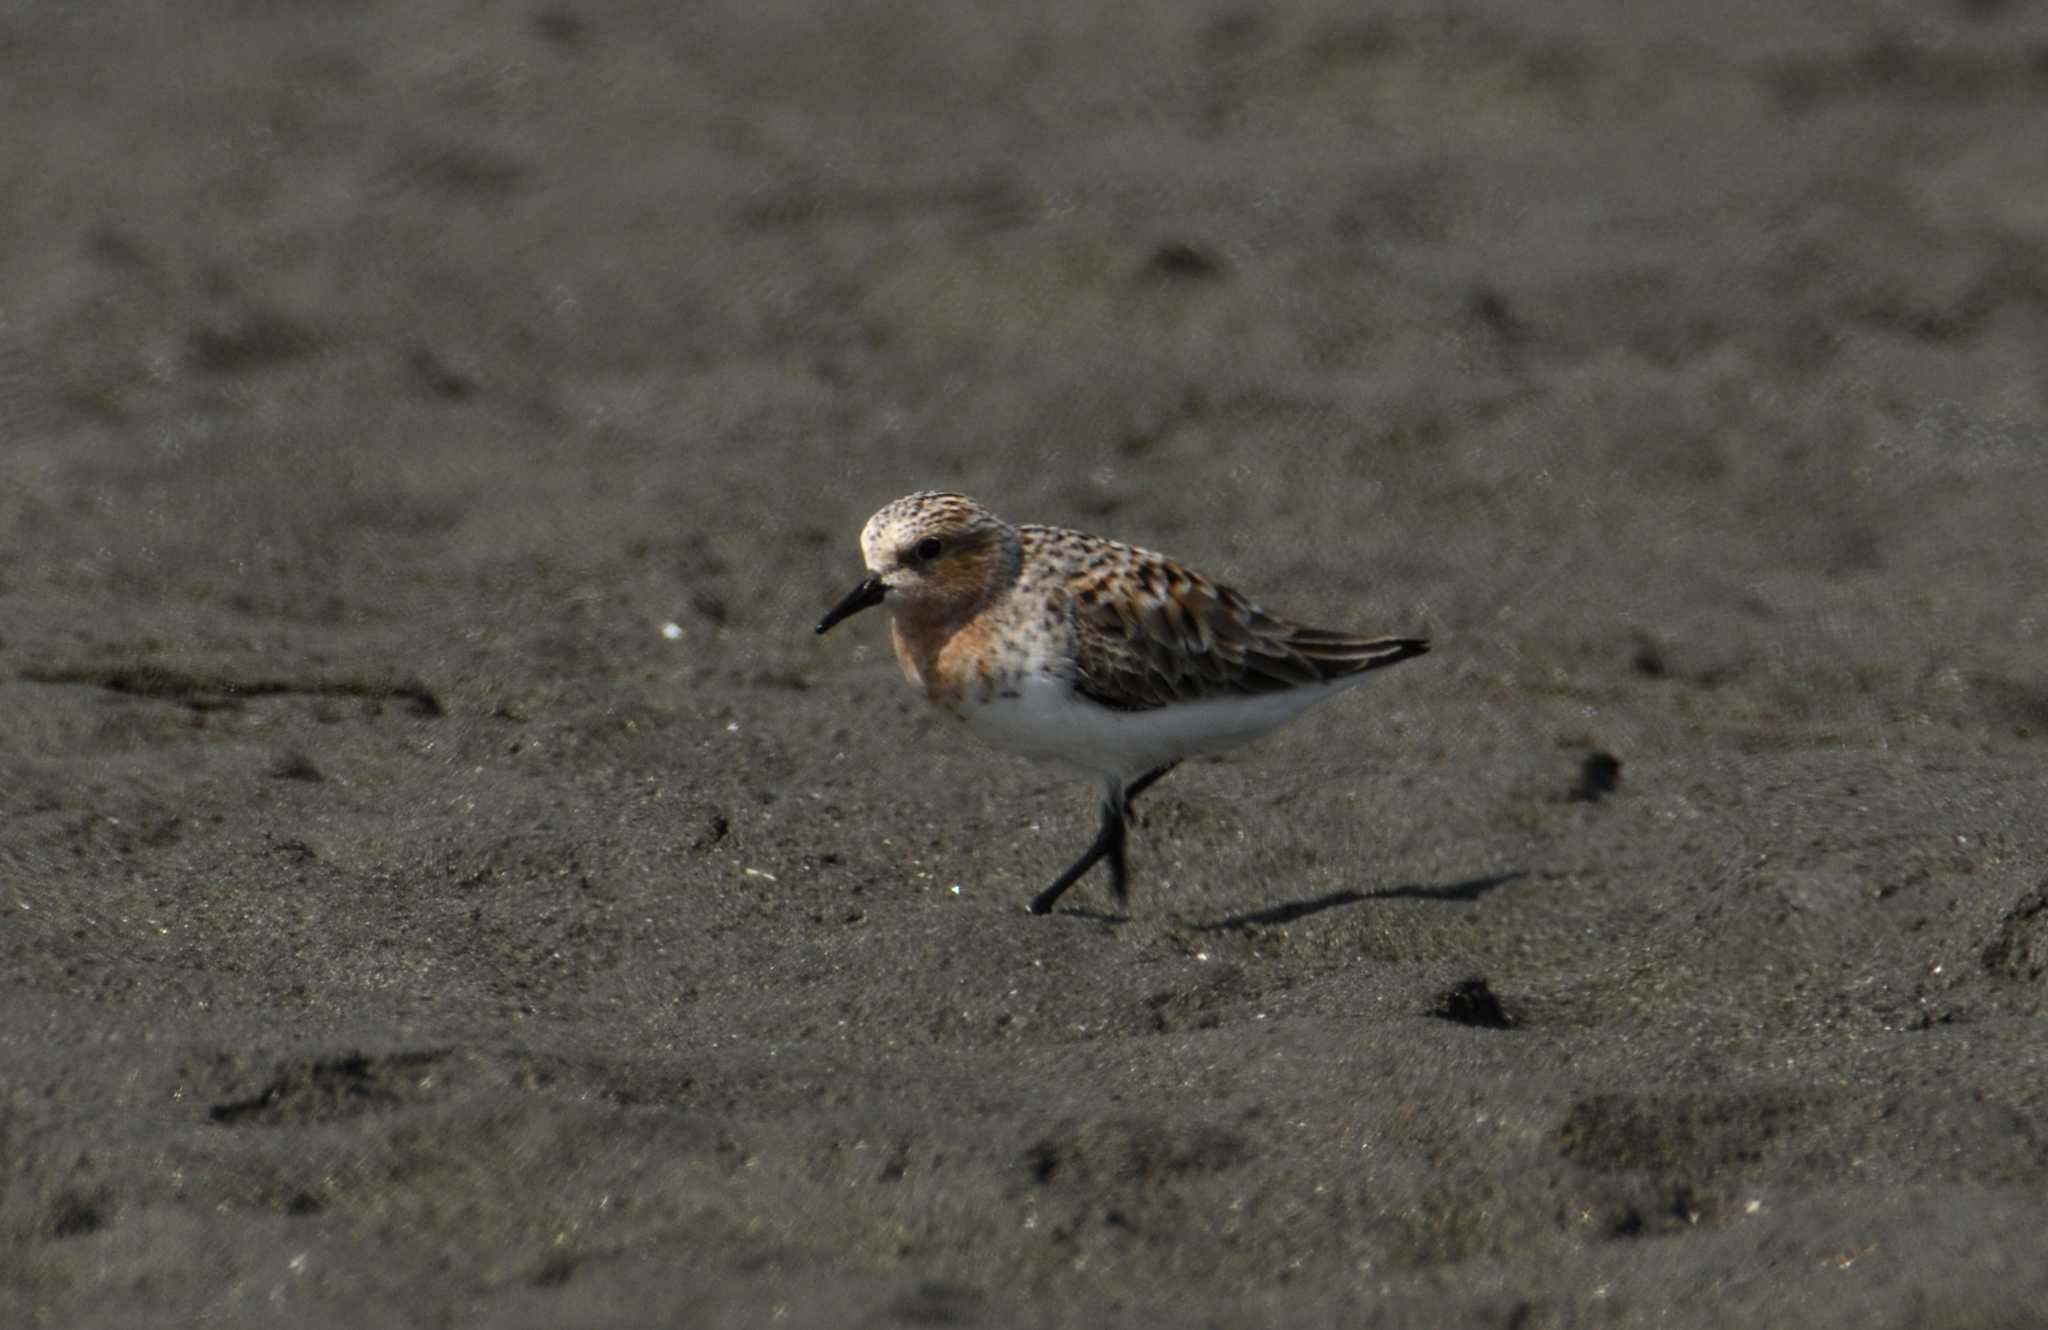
<point>983,662</point>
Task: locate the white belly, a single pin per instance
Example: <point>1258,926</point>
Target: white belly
<point>1047,720</point>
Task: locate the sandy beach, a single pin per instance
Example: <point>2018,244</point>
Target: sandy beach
<point>445,882</point>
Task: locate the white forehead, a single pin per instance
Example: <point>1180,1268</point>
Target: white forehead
<point>873,540</point>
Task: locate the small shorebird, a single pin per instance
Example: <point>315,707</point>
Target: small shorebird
<point>1062,645</point>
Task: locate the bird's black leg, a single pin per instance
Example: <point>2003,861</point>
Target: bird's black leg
<point>1117,875</point>
<point>1109,843</point>
<point>1144,782</point>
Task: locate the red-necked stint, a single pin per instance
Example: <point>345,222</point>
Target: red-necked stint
<point>1067,646</point>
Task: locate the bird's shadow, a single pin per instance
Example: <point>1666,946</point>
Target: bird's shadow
<point>1451,893</point>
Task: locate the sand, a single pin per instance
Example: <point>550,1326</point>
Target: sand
<point>443,880</point>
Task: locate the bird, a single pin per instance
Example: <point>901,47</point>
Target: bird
<point>1071,647</point>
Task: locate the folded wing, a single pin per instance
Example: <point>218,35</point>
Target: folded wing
<point>1183,638</point>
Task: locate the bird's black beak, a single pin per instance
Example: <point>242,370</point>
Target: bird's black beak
<point>869,592</point>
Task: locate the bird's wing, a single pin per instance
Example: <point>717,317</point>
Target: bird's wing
<point>1151,632</point>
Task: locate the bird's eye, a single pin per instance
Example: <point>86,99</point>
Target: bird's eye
<point>927,549</point>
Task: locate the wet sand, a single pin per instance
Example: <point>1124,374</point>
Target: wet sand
<point>443,881</point>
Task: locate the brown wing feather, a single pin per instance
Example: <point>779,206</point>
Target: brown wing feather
<point>1185,638</point>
